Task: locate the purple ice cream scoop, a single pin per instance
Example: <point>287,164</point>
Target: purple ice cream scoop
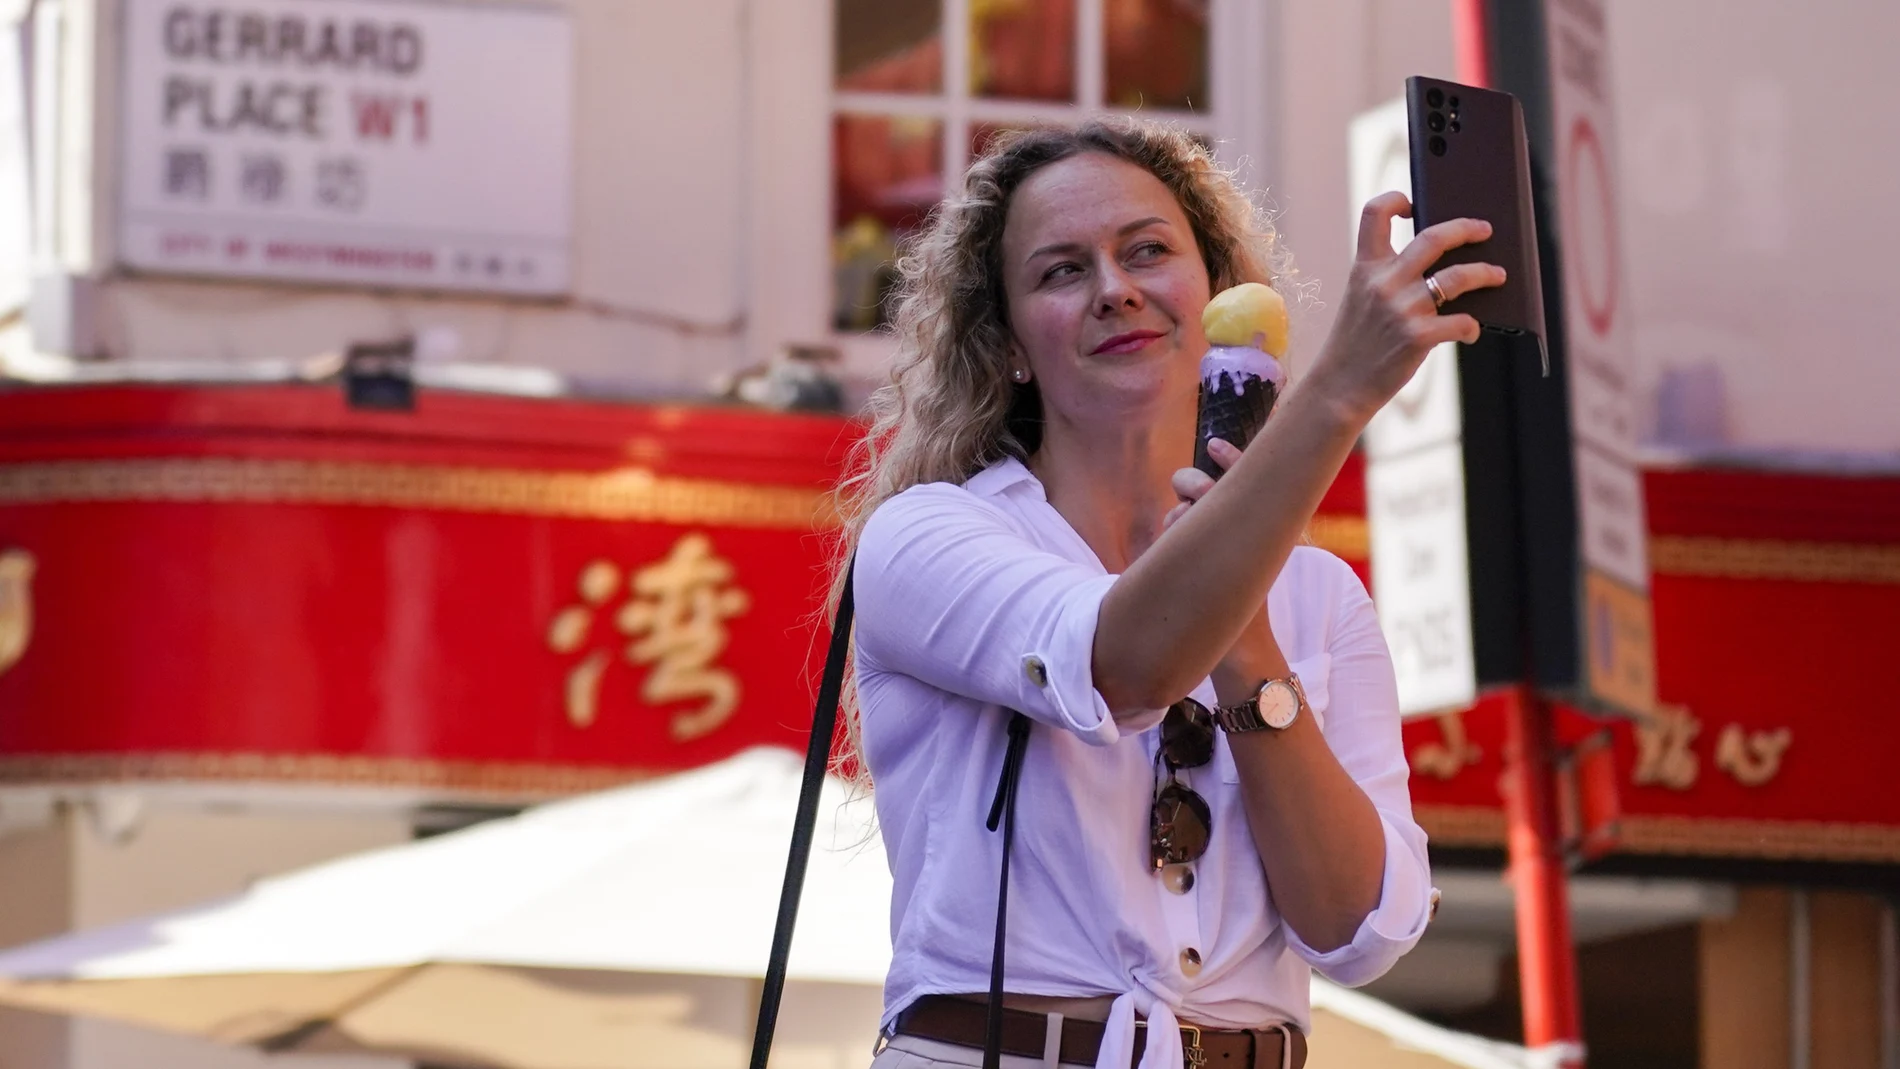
<point>1239,385</point>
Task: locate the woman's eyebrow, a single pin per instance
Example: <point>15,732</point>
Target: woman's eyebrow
<point>1076,246</point>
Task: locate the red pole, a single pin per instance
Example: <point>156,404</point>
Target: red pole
<point>1546,958</point>
<point>1471,41</point>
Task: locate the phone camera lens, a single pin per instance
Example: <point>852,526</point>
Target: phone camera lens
<point>1454,126</point>
<point>1434,122</point>
<point>1435,97</point>
<point>1437,145</point>
<point>1453,102</point>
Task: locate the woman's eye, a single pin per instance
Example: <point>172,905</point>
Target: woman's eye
<point>1149,250</point>
<point>1062,270</point>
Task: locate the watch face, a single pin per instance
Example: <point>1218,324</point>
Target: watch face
<point>1278,704</point>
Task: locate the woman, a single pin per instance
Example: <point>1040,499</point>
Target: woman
<point>1028,539</point>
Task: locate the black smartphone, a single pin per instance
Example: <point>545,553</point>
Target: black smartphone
<point>1471,159</point>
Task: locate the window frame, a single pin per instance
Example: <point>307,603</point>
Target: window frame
<point>794,94</point>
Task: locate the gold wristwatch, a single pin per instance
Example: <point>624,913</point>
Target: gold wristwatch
<point>1274,707</point>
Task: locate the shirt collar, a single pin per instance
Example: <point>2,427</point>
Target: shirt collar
<point>1000,477</point>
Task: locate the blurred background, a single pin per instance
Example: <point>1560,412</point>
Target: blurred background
<point>414,411</point>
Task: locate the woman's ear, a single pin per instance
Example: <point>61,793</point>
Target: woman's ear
<point>1018,364</point>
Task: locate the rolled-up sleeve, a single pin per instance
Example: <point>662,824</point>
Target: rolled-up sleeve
<point>1361,724</point>
<point>949,592</point>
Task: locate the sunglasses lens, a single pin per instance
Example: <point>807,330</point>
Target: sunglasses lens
<point>1179,825</point>
<point>1187,735</point>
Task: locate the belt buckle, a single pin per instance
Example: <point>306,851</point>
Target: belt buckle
<point>1192,1053</point>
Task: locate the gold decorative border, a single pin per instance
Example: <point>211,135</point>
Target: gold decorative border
<point>1461,825</point>
<point>626,494</point>
<point>1447,825</point>
<point>1774,840</point>
<point>1768,840</point>
<point>637,494</point>
<point>489,778</point>
<point>1761,558</point>
<point>1694,556</point>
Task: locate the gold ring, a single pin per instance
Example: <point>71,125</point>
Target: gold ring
<point>1438,295</point>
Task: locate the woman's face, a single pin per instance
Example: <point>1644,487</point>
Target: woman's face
<point>1106,286</point>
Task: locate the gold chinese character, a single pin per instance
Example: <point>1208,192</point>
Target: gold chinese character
<point>16,605</point>
<point>1753,757</point>
<point>1445,759</point>
<point>1664,753</point>
<point>677,621</point>
<point>568,633</point>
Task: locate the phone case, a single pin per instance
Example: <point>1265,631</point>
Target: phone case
<point>1471,159</point>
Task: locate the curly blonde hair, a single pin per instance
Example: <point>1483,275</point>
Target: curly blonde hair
<point>950,409</point>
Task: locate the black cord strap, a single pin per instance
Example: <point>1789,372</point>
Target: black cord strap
<point>1003,809</point>
<point>824,722</point>
<point>817,758</point>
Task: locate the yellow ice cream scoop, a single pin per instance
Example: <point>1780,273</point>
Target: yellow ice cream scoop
<point>1248,314</point>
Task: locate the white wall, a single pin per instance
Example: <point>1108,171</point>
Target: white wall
<point>1760,147</point>
<point>1758,152</point>
<point>1339,58</point>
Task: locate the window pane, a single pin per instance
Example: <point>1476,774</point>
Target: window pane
<point>1157,53</point>
<point>1023,49</point>
<point>888,174</point>
<point>889,46</point>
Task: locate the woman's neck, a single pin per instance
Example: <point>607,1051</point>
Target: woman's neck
<point>1113,486</point>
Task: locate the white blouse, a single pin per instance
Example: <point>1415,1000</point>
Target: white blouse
<point>978,599</point>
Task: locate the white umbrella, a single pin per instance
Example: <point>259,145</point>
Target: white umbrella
<point>602,931</point>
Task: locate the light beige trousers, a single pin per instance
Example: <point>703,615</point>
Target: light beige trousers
<point>910,1052</point>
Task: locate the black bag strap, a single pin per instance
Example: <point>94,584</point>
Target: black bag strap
<point>804,824</point>
<point>1003,808</point>
<point>824,721</point>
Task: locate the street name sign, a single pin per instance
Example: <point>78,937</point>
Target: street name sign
<point>386,143</point>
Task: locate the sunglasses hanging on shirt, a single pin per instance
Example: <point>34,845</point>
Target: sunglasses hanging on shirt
<point>1180,822</point>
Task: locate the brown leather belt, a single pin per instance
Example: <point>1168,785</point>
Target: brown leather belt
<point>954,1020</point>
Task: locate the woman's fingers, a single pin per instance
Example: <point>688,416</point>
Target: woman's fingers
<point>1223,453</point>
<point>1175,513</point>
<point>1459,279</point>
<point>1190,484</point>
<point>1433,242</point>
<point>1459,328</point>
<point>1375,224</point>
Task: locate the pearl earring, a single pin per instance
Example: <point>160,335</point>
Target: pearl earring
<point>1020,374</point>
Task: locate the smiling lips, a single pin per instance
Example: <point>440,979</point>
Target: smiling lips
<point>1126,343</point>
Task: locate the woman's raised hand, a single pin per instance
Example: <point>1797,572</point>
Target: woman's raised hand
<point>1389,318</point>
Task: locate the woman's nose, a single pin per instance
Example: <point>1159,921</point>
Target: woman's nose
<point>1118,290</point>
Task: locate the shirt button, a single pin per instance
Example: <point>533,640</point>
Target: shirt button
<point>1178,879</point>
<point>1037,672</point>
<point>1190,962</point>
